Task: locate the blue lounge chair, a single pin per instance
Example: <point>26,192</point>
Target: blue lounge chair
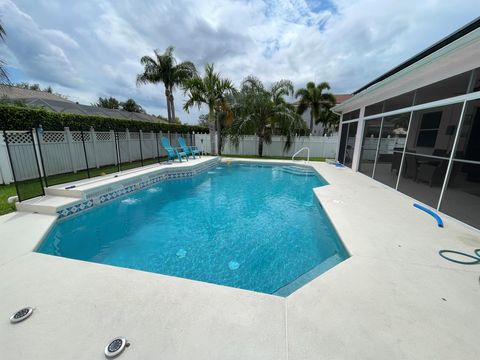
<point>189,150</point>
<point>172,153</point>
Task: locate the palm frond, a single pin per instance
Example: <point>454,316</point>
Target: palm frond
<point>303,106</point>
<point>2,32</point>
<point>303,93</point>
<point>323,86</point>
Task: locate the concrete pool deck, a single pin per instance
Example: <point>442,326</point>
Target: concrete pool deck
<point>394,298</point>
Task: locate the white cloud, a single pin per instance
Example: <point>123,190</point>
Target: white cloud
<point>92,48</point>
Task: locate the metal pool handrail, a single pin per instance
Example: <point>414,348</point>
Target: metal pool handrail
<point>299,151</point>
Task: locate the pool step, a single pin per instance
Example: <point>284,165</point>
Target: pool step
<point>298,170</point>
<point>45,204</point>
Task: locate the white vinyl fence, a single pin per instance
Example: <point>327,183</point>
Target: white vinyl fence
<point>386,146</point>
<point>64,151</point>
<point>320,146</point>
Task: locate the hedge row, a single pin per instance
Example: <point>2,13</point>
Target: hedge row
<point>21,118</point>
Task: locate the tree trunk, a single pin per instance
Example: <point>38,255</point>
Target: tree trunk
<point>169,114</point>
<point>260,146</point>
<point>211,122</point>
<point>172,106</point>
<point>311,121</point>
<point>219,135</point>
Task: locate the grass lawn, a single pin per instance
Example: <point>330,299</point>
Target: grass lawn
<point>5,192</point>
<point>274,157</point>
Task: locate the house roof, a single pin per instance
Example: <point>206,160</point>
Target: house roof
<point>57,103</point>
<point>16,93</point>
<point>342,97</point>
<point>339,98</point>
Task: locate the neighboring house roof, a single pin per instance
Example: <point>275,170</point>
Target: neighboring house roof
<point>58,104</point>
<point>430,50</point>
<point>16,93</point>
<point>342,97</point>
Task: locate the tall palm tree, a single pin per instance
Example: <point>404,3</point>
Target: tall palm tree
<point>3,72</point>
<point>210,90</point>
<point>314,98</point>
<point>261,111</point>
<point>164,68</point>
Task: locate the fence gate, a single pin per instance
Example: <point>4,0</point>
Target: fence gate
<point>24,162</point>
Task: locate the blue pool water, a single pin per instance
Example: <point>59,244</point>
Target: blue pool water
<point>247,226</point>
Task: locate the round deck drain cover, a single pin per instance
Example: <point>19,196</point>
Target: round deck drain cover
<point>21,315</point>
<point>115,347</point>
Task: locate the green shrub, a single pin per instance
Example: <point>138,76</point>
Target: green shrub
<point>22,118</point>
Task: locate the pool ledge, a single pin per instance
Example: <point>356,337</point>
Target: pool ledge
<point>72,198</point>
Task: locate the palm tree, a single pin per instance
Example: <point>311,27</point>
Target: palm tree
<point>131,105</point>
<point>263,111</point>
<point>312,97</point>
<point>3,72</point>
<point>164,68</point>
<point>212,91</point>
<point>107,103</point>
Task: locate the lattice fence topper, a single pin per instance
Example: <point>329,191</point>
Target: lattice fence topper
<point>103,136</point>
<point>77,136</point>
<point>134,135</point>
<point>122,136</point>
<point>19,138</point>
<point>53,136</point>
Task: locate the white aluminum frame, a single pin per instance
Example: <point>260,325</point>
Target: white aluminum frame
<point>411,109</point>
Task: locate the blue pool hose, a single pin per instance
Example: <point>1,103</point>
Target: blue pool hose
<point>476,259</point>
<point>428,211</point>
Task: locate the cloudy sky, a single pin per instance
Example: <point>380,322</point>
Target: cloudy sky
<point>91,48</point>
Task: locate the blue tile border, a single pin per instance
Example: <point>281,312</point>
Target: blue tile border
<point>112,192</point>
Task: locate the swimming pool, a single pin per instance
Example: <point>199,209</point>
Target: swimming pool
<point>252,226</point>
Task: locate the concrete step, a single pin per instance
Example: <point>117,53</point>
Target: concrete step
<point>45,204</point>
<point>66,191</point>
<point>298,170</point>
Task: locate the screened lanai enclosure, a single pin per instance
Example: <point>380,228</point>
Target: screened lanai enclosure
<point>424,143</point>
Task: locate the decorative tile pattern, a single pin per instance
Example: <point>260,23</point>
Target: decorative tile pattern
<point>112,192</point>
<point>75,209</point>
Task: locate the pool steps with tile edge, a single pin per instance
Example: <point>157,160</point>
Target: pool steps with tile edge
<point>66,206</point>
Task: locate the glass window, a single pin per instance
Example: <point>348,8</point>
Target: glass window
<point>432,131</point>
<point>468,143</point>
<point>350,146</point>
<point>461,198</point>
<point>422,178</point>
<point>374,109</point>
<point>453,86</point>
<point>476,81</point>
<point>369,146</point>
<point>399,102</point>
<point>351,115</point>
<point>343,142</point>
<point>390,149</point>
